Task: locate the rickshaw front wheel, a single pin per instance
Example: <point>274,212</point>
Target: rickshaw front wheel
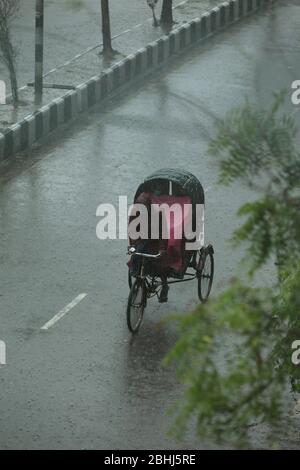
<point>205,273</point>
<point>136,305</point>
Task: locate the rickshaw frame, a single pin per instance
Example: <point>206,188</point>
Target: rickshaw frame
<point>145,285</point>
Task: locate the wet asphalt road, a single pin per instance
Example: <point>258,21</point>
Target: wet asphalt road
<point>84,383</point>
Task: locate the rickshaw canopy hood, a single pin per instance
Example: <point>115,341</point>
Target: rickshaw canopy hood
<point>184,183</point>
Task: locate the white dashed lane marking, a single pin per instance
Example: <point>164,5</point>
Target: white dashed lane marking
<point>63,312</point>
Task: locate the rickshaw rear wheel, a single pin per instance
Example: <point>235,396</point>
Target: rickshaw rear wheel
<point>136,305</point>
<point>205,273</point>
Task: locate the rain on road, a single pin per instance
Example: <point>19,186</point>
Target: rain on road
<point>84,383</point>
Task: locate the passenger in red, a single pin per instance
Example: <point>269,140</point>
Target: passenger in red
<point>147,245</point>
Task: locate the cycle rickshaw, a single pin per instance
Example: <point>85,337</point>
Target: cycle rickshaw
<point>157,263</point>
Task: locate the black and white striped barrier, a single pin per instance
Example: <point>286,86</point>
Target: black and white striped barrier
<point>62,111</point>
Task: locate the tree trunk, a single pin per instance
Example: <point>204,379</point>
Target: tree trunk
<point>14,84</point>
<point>8,58</point>
<point>39,51</point>
<point>155,22</point>
<point>166,17</point>
<point>106,33</point>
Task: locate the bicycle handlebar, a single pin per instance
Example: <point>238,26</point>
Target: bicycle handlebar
<point>131,251</point>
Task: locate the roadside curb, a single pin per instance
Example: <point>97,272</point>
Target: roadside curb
<point>62,111</point>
